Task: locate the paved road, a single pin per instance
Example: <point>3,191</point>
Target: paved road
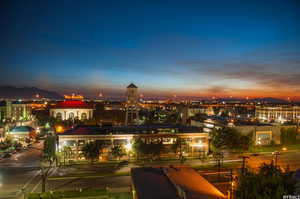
<point>22,168</point>
<point>19,171</point>
<point>290,159</point>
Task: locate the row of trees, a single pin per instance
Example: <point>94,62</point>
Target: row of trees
<point>230,138</point>
<point>93,150</point>
<point>221,139</point>
<point>140,148</point>
<point>50,149</point>
<point>150,149</point>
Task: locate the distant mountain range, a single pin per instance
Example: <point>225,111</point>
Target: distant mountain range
<point>11,92</point>
<point>270,100</point>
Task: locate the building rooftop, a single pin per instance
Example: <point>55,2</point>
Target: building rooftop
<point>4,103</point>
<point>72,104</point>
<point>142,129</point>
<point>172,182</point>
<point>131,86</point>
<point>151,183</point>
<point>21,129</point>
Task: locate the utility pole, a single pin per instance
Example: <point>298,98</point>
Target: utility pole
<point>275,155</point>
<point>244,163</point>
<point>44,175</point>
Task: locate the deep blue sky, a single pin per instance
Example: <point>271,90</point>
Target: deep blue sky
<point>187,48</point>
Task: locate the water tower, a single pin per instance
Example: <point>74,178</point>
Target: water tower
<point>132,109</point>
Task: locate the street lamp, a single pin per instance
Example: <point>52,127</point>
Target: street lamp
<point>128,146</point>
<point>275,157</point>
<point>244,163</point>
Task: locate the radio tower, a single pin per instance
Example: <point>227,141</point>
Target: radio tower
<point>132,109</point>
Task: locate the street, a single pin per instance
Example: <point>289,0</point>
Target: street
<point>284,160</point>
<point>22,170</point>
<point>18,171</point>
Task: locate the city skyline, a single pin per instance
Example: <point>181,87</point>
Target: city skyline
<point>196,49</point>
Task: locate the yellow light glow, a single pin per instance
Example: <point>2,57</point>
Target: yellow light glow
<point>284,149</point>
<point>128,146</point>
<point>197,145</point>
<point>59,129</point>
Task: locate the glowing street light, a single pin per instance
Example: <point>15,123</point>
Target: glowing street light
<point>59,129</point>
<point>128,146</point>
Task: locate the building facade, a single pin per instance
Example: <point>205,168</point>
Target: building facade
<point>279,114</point>
<point>72,109</point>
<point>195,141</point>
<point>22,134</point>
<point>15,111</point>
<point>132,105</point>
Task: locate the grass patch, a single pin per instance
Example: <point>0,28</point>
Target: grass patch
<point>259,149</point>
<point>87,176</point>
<point>101,193</point>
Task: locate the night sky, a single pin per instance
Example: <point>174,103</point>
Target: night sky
<point>188,48</point>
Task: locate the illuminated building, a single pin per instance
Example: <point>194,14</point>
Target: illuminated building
<point>194,110</point>
<point>15,111</point>
<point>279,114</point>
<point>73,97</point>
<point>195,141</point>
<point>21,133</point>
<point>72,109</point>
<point>132,109</point>
<point>263,134</point>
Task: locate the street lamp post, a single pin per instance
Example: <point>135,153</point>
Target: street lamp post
<point>275,157</point>
<point>244,163</point>
<point>44,175</point>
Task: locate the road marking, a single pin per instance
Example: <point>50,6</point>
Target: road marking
<point>40,181</point>
<point>27,183</point>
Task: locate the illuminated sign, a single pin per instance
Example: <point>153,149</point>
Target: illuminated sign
<point>73,96</point>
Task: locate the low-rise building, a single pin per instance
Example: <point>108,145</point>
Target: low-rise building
<point>72,109</point>
<point>22,134</point>
<point>263,134</point>
<point>278,114</point>
<point>196,142</point>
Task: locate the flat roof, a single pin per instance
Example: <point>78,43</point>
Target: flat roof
<point>72,104</point>
<point>142,129</point>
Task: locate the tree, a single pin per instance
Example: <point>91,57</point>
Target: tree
<point>288,135</point>
<point>269,183</point>
<point>138,147</point>
<point>50,149</point>
<point>66,153</point>
<point>152,149</point>
<point>91,150</point>
<point>117,151</point>
<point>245,142</point>
<point>230,138</point>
